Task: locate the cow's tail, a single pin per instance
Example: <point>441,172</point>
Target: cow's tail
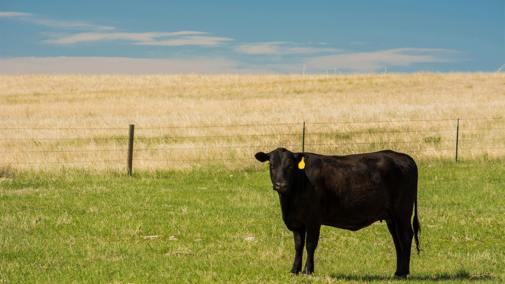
<point>417,225</point>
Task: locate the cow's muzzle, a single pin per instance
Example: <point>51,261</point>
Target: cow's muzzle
<point>280,186</point>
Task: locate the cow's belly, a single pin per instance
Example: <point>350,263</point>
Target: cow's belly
<point>354,224</point>
<point>353,206</point>
<point>356,218</point>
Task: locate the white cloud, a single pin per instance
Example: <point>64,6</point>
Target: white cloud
<point>115,65</point>
<point>13,14</point>
<point>37,20</point>
<point>143,37</point>
<point>258,48</point>
<point>188,40</point>
<point>150,38</point>
<point>382,58</point>
<point>66,24</point>
<point>104,34</point>
<point>278,48</point>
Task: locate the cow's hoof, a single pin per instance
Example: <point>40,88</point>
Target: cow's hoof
<point>295,271</point>
<point>400,276</point>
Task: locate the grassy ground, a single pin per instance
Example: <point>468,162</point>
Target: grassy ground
<point>192,227</point>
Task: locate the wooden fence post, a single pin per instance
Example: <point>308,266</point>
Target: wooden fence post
<point>457,138</point>
<point>130,149</point>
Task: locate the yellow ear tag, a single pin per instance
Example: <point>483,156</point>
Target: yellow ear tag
<point>301,165</point>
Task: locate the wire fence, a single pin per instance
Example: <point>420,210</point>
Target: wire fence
<point>189,146</point>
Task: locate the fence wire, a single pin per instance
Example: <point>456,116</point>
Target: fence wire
<point>200,144</point>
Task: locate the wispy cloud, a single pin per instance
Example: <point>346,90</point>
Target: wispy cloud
<point>115,65</point>
<point>189,40</point>
<point>103,33</point>
<point>37,20</point>
<point>279,48</point>
<point>13,14</point>
<point>84,37</point>
<point>149,38</point>
<point>382,58</point>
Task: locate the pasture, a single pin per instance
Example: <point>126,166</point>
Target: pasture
<point>200,208</point>
<point>190,121</point>
<point>193,227</point>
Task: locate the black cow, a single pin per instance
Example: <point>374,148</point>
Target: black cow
<point>347,192</point>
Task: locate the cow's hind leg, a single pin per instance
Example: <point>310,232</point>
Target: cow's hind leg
<point>392,230</point>
<point>299,237</point>
<point>405,235</point>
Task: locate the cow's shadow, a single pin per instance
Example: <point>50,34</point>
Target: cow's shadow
<point>443,276</point>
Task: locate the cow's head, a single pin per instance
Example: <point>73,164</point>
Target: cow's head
<point>283,165</point>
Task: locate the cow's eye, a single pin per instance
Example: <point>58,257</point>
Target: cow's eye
<point>291,166</point>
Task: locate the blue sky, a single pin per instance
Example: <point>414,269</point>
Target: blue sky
<point>216,37</point>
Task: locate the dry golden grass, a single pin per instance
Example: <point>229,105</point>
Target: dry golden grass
<point>66,115</point>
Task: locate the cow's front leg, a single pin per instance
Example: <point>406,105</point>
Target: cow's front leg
<point>312,239</point>
<point>299,236</point>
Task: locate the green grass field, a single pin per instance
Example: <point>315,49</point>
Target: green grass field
<point>191,227</point>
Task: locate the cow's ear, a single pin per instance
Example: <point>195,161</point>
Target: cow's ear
<point>262,157</point>
<point>298,156</point>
